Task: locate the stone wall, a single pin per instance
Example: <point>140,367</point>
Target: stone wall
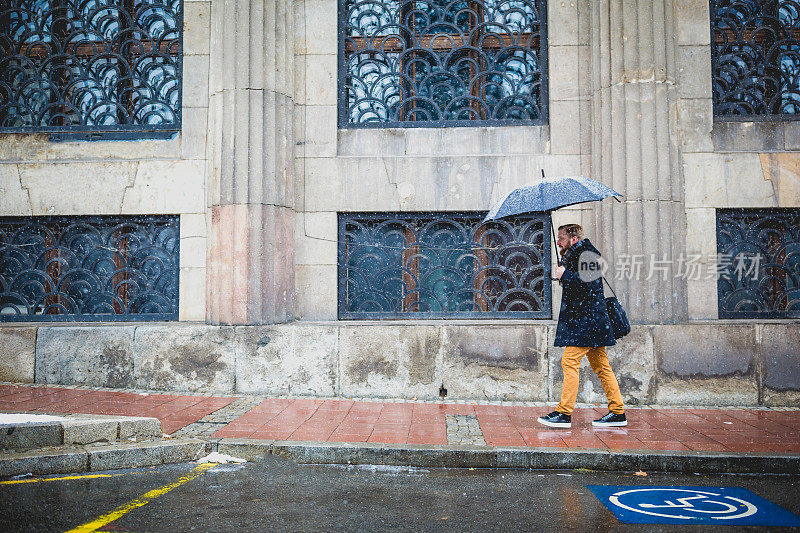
<point>698,364</point>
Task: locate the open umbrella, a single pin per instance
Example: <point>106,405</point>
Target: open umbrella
<point>549,194</point>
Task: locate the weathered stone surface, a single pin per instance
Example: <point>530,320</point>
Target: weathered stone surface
<point>696,120</point>
<point>692,22</point>
<point>139,427</point>
<point>248,449</point>
<point>707,391</point>
<point>99,356</point>
<point>706,364</point>
<point>316,292</point>
<point>760,136</point>
<point>41,463</point>
<point>196,27</point>
<point>632,361</point>
<point>182,357</point>
<point>293,358</point>
<point>780,348</point>
<point>390,361</point>
<point>17,349</point>
<point>691,60</point>
<point>700,351</point>
<point>79,431</point>
<point>77,188</point>
<point>138,454</point>
<point>14,199</point>
<point>27,436</point>
<point>782,170</point>
<point>192,287</point>
<point>495,362</point>
<point>166,187</point>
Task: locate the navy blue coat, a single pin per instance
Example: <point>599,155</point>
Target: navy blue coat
<point>583,320</point>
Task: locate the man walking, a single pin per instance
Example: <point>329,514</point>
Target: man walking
<point>584,329</point>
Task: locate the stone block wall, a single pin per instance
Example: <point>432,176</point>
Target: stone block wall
<point>40,177</point>
<point>698,364</point>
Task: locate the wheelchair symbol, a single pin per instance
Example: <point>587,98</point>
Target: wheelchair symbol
<point>688,504</point>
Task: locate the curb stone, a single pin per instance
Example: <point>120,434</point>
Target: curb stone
<point>67,460</point>
<point>510,457</point>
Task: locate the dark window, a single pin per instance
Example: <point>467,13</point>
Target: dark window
<point>415,265</point>
<point>90,66</point>
<point>755,57</point>
<point>89,268</point>
<point>436,62</point>
<point>758,263</point>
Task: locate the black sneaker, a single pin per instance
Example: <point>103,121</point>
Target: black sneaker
<point>556,420</point>
<point>611,420</point>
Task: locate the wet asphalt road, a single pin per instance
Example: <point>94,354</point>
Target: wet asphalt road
<point>279,495</point>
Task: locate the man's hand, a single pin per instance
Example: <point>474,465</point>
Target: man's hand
<point>558,272</point>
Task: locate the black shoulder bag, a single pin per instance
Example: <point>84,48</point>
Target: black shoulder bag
<point>619,320</point>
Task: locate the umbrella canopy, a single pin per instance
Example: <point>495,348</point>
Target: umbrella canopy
<point>549,194</point>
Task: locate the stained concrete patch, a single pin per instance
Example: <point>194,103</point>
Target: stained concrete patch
<point>191,358</point>
<point>780,348</point>
<point>705,350</point>
<point>707,391</point>
<point>390,361</point>
<point>287,359</point>
<point>780,344</point>
<point>96,356</point>
<point>497,363</point>
<point>17,349</point>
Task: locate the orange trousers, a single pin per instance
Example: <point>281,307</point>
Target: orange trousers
<point>571,363</point>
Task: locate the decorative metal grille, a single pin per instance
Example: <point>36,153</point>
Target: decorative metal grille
<point>755,57</point>
<point>442,62</point>
<point>90,65</point>
<point>758,263</point>
<point>89,268</point>
<point>419,265</point>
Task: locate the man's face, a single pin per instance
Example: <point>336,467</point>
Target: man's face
<point>564,241</point>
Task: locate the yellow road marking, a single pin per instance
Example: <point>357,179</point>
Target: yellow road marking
<point>64,478</point>
<point>144,499</point>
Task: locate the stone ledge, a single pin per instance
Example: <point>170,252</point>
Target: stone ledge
<point>77,429</point>
<point>510,457</point>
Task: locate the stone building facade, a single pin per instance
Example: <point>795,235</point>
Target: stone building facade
<point>265,166</point>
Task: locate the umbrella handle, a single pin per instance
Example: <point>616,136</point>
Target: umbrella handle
<point>553,230</point>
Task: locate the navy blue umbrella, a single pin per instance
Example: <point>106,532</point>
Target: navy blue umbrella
<point>549,194</point>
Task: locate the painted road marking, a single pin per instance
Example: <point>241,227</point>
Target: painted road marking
<point>144,499</point>
<point>65,478</point>
<point>691,505</point>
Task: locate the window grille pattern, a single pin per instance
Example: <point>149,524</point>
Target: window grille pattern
<point>419,265</point>
<point>89,268</point>
<point>442,62</point>
<point>90,65</point>
<point>755,56</point>
<point>758,262</point>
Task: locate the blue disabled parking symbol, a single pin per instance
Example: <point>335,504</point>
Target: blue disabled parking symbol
<point>691,505</point>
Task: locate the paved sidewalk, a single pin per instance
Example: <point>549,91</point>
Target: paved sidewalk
<point>423,423</point>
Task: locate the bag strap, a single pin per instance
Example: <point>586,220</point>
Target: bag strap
<point>609,286</point>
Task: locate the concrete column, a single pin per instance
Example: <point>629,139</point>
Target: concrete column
<point>635,151</point>
<point>251,154</point>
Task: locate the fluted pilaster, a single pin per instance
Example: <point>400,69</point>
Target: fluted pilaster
<point>251,255</point>
<point>635,150</point>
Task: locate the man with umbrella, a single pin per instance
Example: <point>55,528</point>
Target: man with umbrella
<point>584,327</point>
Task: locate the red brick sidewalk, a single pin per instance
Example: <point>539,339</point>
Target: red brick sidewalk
<point>328,420</point>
